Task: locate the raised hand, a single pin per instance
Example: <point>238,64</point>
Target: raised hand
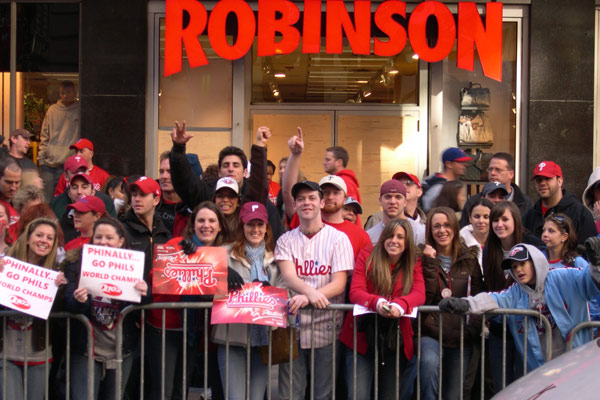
<point>179,135</point>
<point>296,143</point>
<point>263,134</point>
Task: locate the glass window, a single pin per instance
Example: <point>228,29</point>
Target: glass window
<point>335,78</point>
<point>200,96</point>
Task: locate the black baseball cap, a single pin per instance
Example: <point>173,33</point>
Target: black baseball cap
<point>310,185</point>
<point>517,253</point>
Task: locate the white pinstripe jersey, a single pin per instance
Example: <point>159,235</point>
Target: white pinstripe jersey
<point>316,259</point>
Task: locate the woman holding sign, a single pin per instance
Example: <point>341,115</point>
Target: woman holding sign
<point>389,281</point>
<point>251,257</point>
<point>103,314</point>
<point>37,245</point>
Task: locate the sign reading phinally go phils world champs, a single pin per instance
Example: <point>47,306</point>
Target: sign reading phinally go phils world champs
<point>276,33</point>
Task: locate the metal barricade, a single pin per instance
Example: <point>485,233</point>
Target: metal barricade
<point>5,315</point>
<point>589,324</point>
<point>310,353</point>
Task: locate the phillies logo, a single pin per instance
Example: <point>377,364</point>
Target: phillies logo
<point>186,274</point>
<point>541,166</point>
<point>254,207</point>
<point>312,268</point>
<point>515,250</point>
<point>251,298</point>
<point>19,302</point>
<point>110,289</point>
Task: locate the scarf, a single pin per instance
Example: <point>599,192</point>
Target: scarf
<point>197,241</point>
<point>259,334</point>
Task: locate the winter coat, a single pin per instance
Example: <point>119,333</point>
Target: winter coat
<point>588,194</point>
<point>582,218</point>
<point>430,191</point>
<point>565,293</point>
<point>95,310</point>
<point>466,234</point>
<point>140,238</point>
<point>60,129</point>
<point>238,332</point>
<point>520,199</point>
<point>464,272</point>
<point>192,190</point>
<point>362,292</point>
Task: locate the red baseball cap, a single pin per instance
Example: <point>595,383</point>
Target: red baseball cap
<point>253,210</point>
<point>82,144</point>
<point>548,169</point>
<point>399,175</point>
<point>146,185</point>
<point>73,163</point>
<point>88,203</point>
<point>83,175</point>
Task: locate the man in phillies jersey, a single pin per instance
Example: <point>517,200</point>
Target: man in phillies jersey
<point>334,196</point>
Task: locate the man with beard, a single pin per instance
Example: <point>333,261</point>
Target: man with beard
<point>335,163</point>
<point>392,198</point>
<point>548,179</point>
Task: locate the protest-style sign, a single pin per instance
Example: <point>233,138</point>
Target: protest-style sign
<point>199,273</point>
<point>252,304</point>
<point>111,272</point>
<point>27,288</point>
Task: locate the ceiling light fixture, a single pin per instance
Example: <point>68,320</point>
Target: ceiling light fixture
<point>279,75</point>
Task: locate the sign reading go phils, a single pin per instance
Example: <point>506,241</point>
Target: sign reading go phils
<point>111,272</point>
<point>27,287</point>
<point>277,34</point>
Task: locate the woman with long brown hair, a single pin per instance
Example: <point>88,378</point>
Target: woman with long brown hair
<point>450,268</point>
<point>388,281</point>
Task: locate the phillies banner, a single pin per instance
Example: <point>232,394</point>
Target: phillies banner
<point>252,304</point>
<point>27,288</point>
<point>199,273</point>
<point>111,272</point>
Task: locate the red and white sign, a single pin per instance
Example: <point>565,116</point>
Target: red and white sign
<point>199,273</point>
<point>276,21</point>
<point>111,272</point>
<point>252,304</point>
<point>27,287</point>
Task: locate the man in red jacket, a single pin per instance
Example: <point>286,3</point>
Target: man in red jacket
<point>336,160</point>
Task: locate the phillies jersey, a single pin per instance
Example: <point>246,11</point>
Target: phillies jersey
<point>316,259</point>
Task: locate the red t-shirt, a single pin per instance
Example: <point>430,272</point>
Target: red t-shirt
<point>273,191</point>
<point>77,243</point>
<point>13,221</point>
<point>98,175</point>
<point>359,239</point>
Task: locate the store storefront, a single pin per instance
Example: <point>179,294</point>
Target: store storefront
<point>391,113</point>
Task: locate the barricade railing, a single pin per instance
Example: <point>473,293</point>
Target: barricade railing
<point>334,367</point>
<point>584,325</point>
<point>5,315</point>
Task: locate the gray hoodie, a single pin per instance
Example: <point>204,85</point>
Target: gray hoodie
<point>60,130</point>
<point>588,195</point>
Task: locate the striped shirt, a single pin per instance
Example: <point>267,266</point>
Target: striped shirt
<point>316,259</point>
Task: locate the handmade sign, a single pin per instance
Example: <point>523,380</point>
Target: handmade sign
<point>111,272</point>
<point>252,304</point>
<point>199,273</point>
<point>27,288</point>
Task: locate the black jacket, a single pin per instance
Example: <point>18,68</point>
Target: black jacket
<point>568,205</point>
<point>193,190</point>
<point>140,238</point>
<point>520,199</point>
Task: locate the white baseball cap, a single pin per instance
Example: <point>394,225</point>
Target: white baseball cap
<point>335,181</point>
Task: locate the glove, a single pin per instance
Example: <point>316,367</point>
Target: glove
<point>234,280</point>
<point>264,283</point>
<point>454,305</point>
<point>188,246</point>
<point>592,250</point>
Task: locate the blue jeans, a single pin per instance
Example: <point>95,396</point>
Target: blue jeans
<point>514,360</point>
<point>430,362</point>
<point>50,177</point>
<point>323,377</point>
<point>36,381</point>
<point>386,376</point>
<point>106,377</point>
<point>259,373</point>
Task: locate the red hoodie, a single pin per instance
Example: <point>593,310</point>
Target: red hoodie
<point>352,185</point>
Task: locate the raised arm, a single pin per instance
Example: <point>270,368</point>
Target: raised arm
<point>186,183</point>
<point>290,176</point>
<point>257,185</point>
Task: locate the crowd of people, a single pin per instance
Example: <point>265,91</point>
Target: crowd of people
<point>431,244</point>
